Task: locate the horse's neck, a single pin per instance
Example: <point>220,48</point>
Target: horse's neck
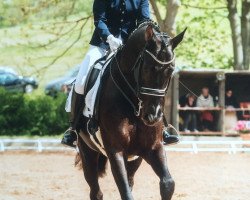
<point>131,52</point>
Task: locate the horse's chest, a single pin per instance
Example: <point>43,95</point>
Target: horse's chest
<point>130,134</point>
<point>142,138</point>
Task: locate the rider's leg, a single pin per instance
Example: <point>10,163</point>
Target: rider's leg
<point>169,138</point>
<point>78,96</point>
<point>77,103</point>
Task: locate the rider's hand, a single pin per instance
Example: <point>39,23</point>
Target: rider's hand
<point>114,43</point>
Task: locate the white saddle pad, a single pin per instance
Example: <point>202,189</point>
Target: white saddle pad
<point>90,98</point>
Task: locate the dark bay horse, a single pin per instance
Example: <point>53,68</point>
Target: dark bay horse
<point>131,113</point>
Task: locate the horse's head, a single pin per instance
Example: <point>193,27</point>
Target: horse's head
<point>154,74</point>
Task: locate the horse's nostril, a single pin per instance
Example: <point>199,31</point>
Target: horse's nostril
<point>150,118</point>
<point>160,114</point>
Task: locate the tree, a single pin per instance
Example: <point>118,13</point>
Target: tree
<point>240,27</point>
<point>44,34</point>
<point>47,34</point>
<point>245,33</point>
<point>168,22</point>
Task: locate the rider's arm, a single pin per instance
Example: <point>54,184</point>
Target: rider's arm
<point>99,10</point>
<point>144,13</point>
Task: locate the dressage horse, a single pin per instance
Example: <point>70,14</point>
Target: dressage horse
<point>131,113</point>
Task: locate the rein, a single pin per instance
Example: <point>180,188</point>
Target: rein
<point>139,90</point>
<point>137,108</point>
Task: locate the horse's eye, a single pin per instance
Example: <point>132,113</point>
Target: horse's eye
<point>172,66</point>
<point>165,50</point>
<point>169,70</point>
<point>166,72</point>
<point>159,67</point>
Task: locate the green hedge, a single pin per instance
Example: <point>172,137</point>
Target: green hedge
<point>22,114</point>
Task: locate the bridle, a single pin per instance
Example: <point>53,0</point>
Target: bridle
<point>140,90</point>
<point>153,91</point>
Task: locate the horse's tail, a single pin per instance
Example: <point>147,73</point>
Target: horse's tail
<point>78,161</point>
<point>102,161</point>
<point>102,165</point>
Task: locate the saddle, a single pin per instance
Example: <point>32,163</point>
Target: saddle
<point>98,73</point>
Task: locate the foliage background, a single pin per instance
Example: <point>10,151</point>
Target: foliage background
<point>33,33</point>
<point>208,40</point>
<point>45,38</point>
<point>26,115</point>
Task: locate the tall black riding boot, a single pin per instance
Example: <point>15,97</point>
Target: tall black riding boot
<point>169,138</point>
<point>77,104</point>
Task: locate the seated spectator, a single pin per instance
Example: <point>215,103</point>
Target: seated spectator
<point>206,100</point>
<point>230,100</point>
<point>183,100</point>
<point>182,103</point>
<point>190,119</point>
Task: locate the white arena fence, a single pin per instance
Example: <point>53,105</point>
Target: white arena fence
<point>43,145</point>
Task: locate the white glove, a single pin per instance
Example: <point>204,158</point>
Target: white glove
<point>114,43</point>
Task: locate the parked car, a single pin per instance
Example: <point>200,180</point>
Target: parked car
<point>62,84</point>
<point>12,82</point>
<point>8,69</point>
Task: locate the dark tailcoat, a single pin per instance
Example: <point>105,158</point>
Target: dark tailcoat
<point>117,17</point>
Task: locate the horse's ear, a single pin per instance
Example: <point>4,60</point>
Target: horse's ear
<point>177,39</point>
<point>149,33</point>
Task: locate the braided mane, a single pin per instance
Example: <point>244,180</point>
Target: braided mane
<point>146,23</point>
<point>154,24</point>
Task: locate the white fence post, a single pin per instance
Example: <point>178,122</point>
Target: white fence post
<point>233,146</point>
<point>2,149</point>
<point>195,148</point>
<point>39,146</point>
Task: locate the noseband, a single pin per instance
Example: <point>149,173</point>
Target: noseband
<point>156,92</point>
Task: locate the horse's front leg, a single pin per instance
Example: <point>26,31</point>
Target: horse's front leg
<point>158,160</point>
<point>119,171</point>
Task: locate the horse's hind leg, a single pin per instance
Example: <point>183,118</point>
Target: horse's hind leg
<point>158,161</point>
<point>90,169</point>
<point>132,167</point>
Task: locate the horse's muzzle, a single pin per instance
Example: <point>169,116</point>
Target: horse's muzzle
<point>150,120</point>
<point>153,116</point>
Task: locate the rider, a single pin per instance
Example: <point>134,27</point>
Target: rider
<point>114,21</point>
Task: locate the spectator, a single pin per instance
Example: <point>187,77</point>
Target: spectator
<point>190,119</point>
<point>230,100</point>
<point>183,100</point>
<point>205,100</point>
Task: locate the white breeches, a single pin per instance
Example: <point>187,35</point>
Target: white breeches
<point>94,53</point>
